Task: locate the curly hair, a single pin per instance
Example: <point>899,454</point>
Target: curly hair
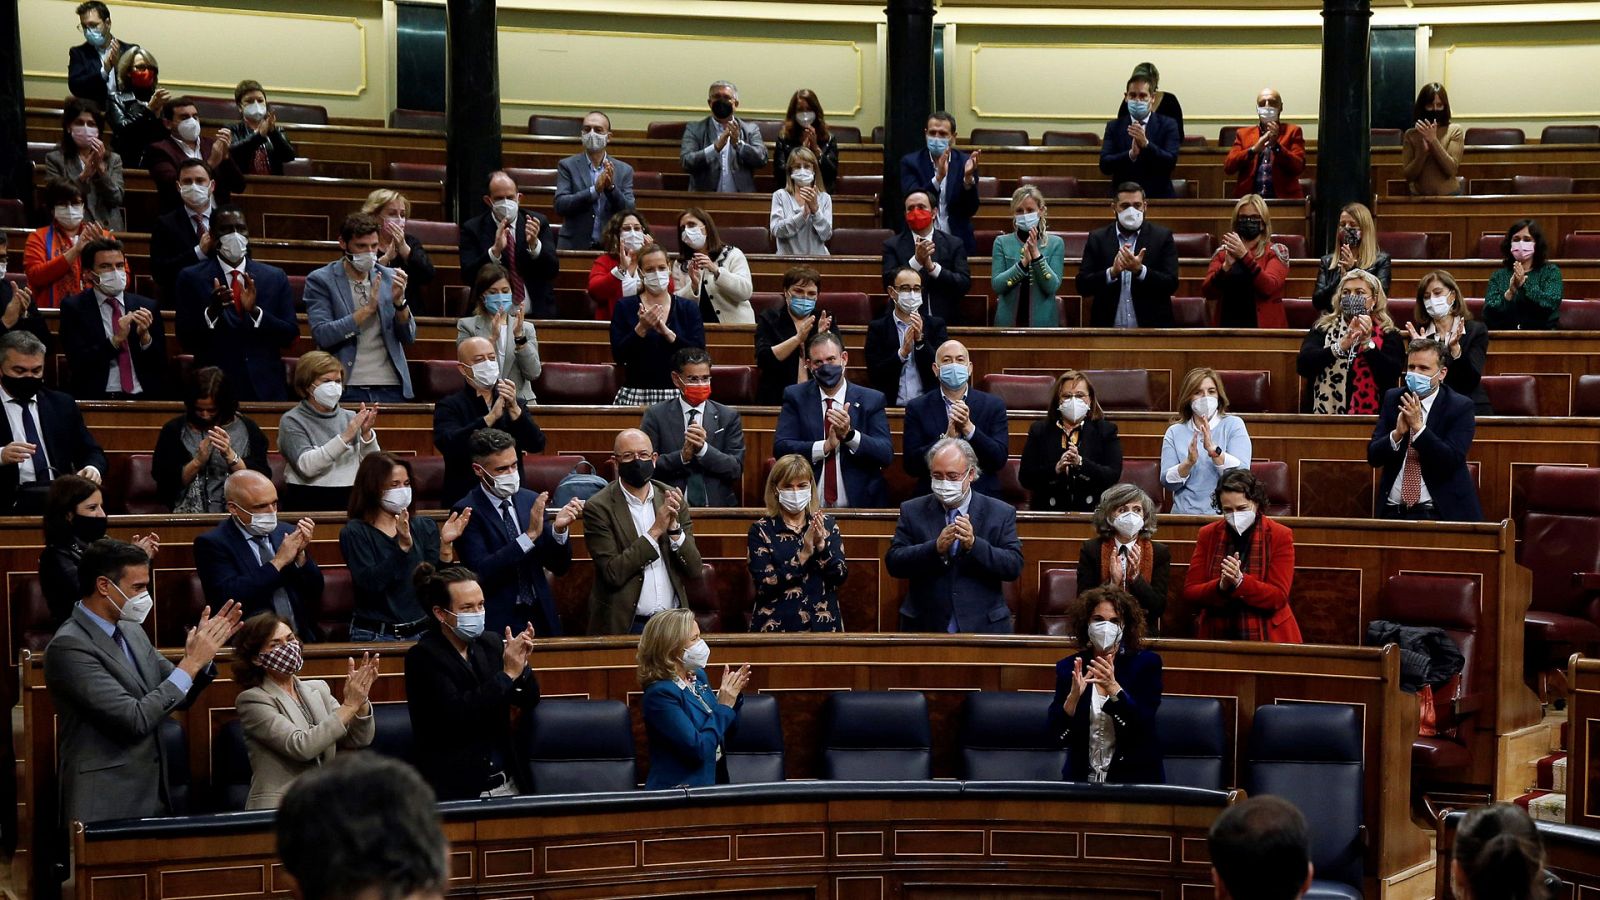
<point>1240,481</point>
<point>1081,610</point>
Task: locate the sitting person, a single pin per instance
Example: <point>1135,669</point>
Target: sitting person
<point>701,440</point>
<point>1352,355</point>
<point>81,155</point>
<point>197,451</point>
<point>1524,294</point>
<point>1028,266</point>
<point>1268,157</point>
<point>116,347</point>
<point>805,126</point>
<point>714,274</point>
<point>646,329</point>
<point>940,258</point>
<point>1357,241</point>
<point>901,342</point>
<point>358,311</point>
<point>1431,150</point>
<point>74,518</point>
<point>1204,427</point>
<point>322,442</point>
<point>183,237</point>
<point>264,564</point>
<point>782,333</point>
<point>796,556</point>
<point>1123,556</point>
<point>1073,453</point>
<point>1242,568</point>
<point>293,725</point>
<point>383,543</point>
<point>684,719</point>
<point>1498,855</point>
<point>42,435</point>
<point>259,146</point>
<point>53,255</point>
<point>615,273</point>
<point>1261,848</point>
<point>1421,442</point>
<point>957,410</point>
<point>179,140</point>
<point>18,312</point>
<point>396,249</point>
<point>840,426</point>
<point>801,220</point>
<point>504,325</point>
<point>591,187</point>
<point>1442,315</point>
<point>461,682</point>
<point>486,400</point>
<point>1248,272</point>
<point>1110,734</point>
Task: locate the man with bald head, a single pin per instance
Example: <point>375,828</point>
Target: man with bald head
<point>638,533</point>
<point>1269,156</point>
<point>252,558</point>
<point>516,239</point>
<point>485,401</point>
<point>956,409</point>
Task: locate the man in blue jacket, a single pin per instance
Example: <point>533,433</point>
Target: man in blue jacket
<point>839,426</point>
<point>949,176</point>
<point>957,409</point>
<point>1143,150</point>
<point>1421,441</point>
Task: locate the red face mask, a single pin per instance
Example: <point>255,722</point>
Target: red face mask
<point>919,219</point>
<point>696,394</point>
<point>142,78</point>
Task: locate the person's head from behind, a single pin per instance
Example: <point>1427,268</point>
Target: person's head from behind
<point>453,597</point>
<point>208,400</point>
<point>252,500</point>
<point>1260,850</point>
<point>495,462</point>
<point>73,509</point>
<point>668,637</point>
<point>21,364</point>
<point>114,580</point>
<point>1497,855</point>
<point>364,827</point>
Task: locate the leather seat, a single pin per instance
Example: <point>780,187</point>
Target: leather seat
<point>526,178</point>
<point>1190,312</point>
<point>433,380</point>
<point>845,134</point>
<point>703,600</point>
<point>216,107</point>
<point>444,234</point>
<point>1011,489</point>
<point>998,137</point>
<point>1145,474</point>
<point>427,482</point>
<point>579,746</point>
<point>1020,392</point>
<point>859,186</point>
<point>1195,245</point>
<point>983,245</point>
<point>762,301</point>
<point>1561,545</point>
<point>877,134</point>
<point>30,613</point>
<point>1404,244</point>
<point>1541,184</point>
<point>1495,137</point>
<point>391,724</point>
<point>665,131</point>
<point>1004,737</point>
<point>858,241</point>
<point>876,736</point>
<point>1300,313</point>
<point>1451,603</point>
<point>544,473</point>
<point>1580,315</point>
<point>338,604</point>
<point>1512,395</point>
<point>846,307</point>
<point>1226,135</point>
<point>1125,390</point>
<point>1193,741</point>
<point>1570,134</point>
<point>230,768</point>
<point>404,171</point>
<point>303,167</point>
<point>1248,390</point>
<point>1071,139</point>
<point>583,384</point>
<point>175,750</point>
<point>648,181</point>
<point>417,119</point>
<point>179,599</point>
<point>1488,245</point>
<point>1310,754</point>
<point>1586,396</point>
<point>1073,242</point>
<point>770,128</point>
<point>749,238</point>
<point>1274,476</point>
<point>1576,244</point>
<point>555,126</point>
<point>988,187</point>
<point>753,746</point>
<point>1183,188</point>
<point>1294,243</point>
<point>298,113</point>
<point>1054,187</point>
<point>1057,589</point>
<point>734,385</point>
<point>1401,311</point>
<point>140,496</point>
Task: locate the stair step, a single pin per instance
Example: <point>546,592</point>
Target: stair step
<point>1544,806</point>
<point>1552,773</point>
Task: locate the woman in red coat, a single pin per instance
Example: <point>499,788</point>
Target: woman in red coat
<point>1242,569</point>
<point>1247,275</point>
<point>615,273</point>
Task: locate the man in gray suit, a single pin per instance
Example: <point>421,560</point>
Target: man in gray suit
<point>359,312</point>
<point>719,152</point>
<point>112,690</point>
<point>701,440</point>
<point>591,187</point>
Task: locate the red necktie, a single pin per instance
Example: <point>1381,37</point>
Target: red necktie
<point>518,292</point>
<point>237,285</point>
<point>125,355</point>
<point>1411,478</point>
<point>830,466</point>
<point>199,225</point>
<point>262,164</point>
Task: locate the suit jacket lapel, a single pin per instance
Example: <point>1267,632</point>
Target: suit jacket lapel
<point>624,518</point>
<point>288,704</point>
<point>108,647</point>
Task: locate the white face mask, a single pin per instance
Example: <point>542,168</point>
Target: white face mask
<point>255,112</point>
<point>803,177</point>
<point>232,247</point>
<point>189,130</point>
<point>794,501</point>
<point>594,140</point>
<point>2,269</point>
<point>363,262</point>
<point>950,492</point>
<point>135,608</point>
<point>487,373</point>
<point>505,209</point>
<point>396,500</point>
<point>805,119</point>
<point>697,655</point>
<point>503,486</point>
<point>111,283</point>
<point>1128,524</point>
<point>1437,306</point>
<point>261,524</point>
<point>657,281</point>
<point>1073,410</point>
<point>69,216</point>
<point>1130,219</point>
<point>1241,520</point>
<point>695,237</point>
<point>1104,635</point>
<point>1204,407</point>
<point>1267,113</point>
<point>83,134</point>
<point>909,302</point>
<point>328,393</point>
<point>633,240</point>
<point>195,195</point>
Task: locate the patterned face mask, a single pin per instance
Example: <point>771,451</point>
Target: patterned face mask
<point>285,659</point>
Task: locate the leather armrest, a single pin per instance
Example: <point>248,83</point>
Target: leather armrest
<point>1588,581</point>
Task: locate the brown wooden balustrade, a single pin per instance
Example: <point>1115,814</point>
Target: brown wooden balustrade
<point>1583,793</point>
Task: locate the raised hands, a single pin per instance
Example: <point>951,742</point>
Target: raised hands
<point>359,681</point>
<point>733,682</point>
<point>536,515</point>
<point>1231,574</point>
<point>452,528</point>
<point>1103,675</point>
<point>205,639</point>
<point>515,656</point>
<point>568,514</point>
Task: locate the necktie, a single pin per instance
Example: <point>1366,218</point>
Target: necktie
<point>236,284</point>
<point>950,516</point>
<point>525,594</point>
<point>697,482</point>
<point>122,644</point>
<point>1126,318</point>
<point>830,466</point>
<point>41,469</point>
<point>125,355</point>
<point>199,225</point>
<point>602,207</point>
<point>510,519</point>
<point>1411,478</point>
<point>509,261</point>
<point>262,163</point>
<point>280,597</point>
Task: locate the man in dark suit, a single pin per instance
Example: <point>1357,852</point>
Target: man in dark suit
<point>948,176</point>
<point>1144,149</point>
<point>1421,441</point>
<point>956,409</point>
<point>938,257</point>
<point>115,344</point>
<point>701,440</point>
<point>42,434</point>
<point>508,542</point>
<point>92,65</point>
<point>184,142</point>
<point>957,547</point>
<point>17,309</point>
<point>901,344</point>
<point>839,426</point>
<point>591,187</point>
<point>1130,267</point>
<point>253,558</point>
<point>485,401</point>
<point>1260,848</point>
<point>182,237</point>
<point>112,690</point>
<point>720,152</point>
<point>236,313</point>
<point>259,146</point>
<point>506,226</point>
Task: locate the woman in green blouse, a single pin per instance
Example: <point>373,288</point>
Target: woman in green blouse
<point>1028,263</point>
<point>1524,294</point>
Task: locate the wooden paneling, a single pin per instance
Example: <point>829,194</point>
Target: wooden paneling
<point>1583,723</point>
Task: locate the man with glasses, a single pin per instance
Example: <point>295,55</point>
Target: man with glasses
<point>92,65</point>
<point>900,345</point>
<point>590,187</point>
<point>701,440</point>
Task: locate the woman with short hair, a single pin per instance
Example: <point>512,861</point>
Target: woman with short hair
<point>1243,568</point>
<point>1107,694</point>
<point>322,442</point>
<point>684,719</point>
<point>396,249</point>
<point>796,555</point>
<point>1123,555</point>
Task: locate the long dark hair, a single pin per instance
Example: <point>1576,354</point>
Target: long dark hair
<point>1425,99</point>
<point>1541,247</point>
<point>372,479</point>
<point>487,276</point>
<point>713,240</point>
<point>1500,853</point>
<point>77,106</point>
<point>61,505</point>
<point>791,129</point>
<point>210,382</point>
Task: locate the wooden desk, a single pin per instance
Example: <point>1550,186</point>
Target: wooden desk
<point>1583,704</point>
<point>1468,217</point>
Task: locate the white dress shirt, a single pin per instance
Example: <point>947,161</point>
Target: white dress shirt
<point>656,595</point>
<point>1394,489</point>
<point>205,221</point>
<point>818,453</point>
<point>933,270</point>
<point>13,407</point>
<point>699,419</point>
<point>725,177</point>
<point>113,373</point>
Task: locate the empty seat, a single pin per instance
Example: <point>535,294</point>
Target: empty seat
<point>647,181</point>
<point>1495,137</point>
<point>298,113</point>
<point>769,128</point>
<point>532,178</point>
<point>1570,134</point>
<point>1575,245</point>
<point>427,482</point>
<point>1274,476</point>
<point>998,137</point>
<point>1054,187</point>
<point>1193,741</point>
<point>175,760</point>
<point>845,134</point>
<point>1586,396</point>
<point>1020,392</point>
<point>1561,545</point>
<point>444,234</point>
<point>1071,139</point>
<point>1183,188</point>
<point>1195,245</point>
<point>391,726</point>
<point>417,119</point>
<point>299,168</point>
<point>216,108</point>
<point>434,379</point>
<point>1004,737</point>
<point>38,152</point>
<point>988,187</point>
<point>750,238</point>
<point>1579,315</point>
<point>1226,134</point>
<point>338,603</point>
<point>857,186</point>
<point>1189,312</point>
<point>579,746</point>
<point>665,131</point>
<point>983,243</point>
<point>753,746</point>
<point>1300,313</point>
<point>1012,491</point>
<point>555,126</point>
<point>230,768</point>
<point>876,736</point>
<point>139,494</point>
<point>31,621</point>
<point>1541,184</point>
<point>1249,391</point>
<point>1073,242</point>
<point>1404,244</point>
<point>1122,389</point>
<point>703,600</point>
<point>404,171</point>
<point>734,385</point>
<point>1450,603</point>
<point>1146,475</point>
<point>1489,245</point>
<point>1310,754</point>
<point>179,599</point>
<point>1512,395</point>
<point>858,241</point>
<point>846,307</point>
<point>1057,589</point>
<point>588,384</point>
<point>1294,243</point>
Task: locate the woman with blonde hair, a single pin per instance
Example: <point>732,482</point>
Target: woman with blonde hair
<point>1204,443</point>
<point>684,719</point>
<point>1352,355</point>
<point>322,442</point>
<point>1028,265</point>
<point>801,221</point>
<point>1357,248</point>
<point>796,555</point>
<point>1247,275</point>
<point>397,249</point>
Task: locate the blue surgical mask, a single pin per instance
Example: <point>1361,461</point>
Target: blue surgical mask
<point>469,624</point>
<point>1419,384</point>
<point>802,306</point>
<point>954,375</point>
<point>1027,221</point>
<point>497,303</point>
<point>937,146</point>
<point>95,36</point>
<point>1139,109</point>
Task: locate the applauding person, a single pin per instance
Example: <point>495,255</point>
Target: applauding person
<point>1104,710</point>
<point>782,333</point>
<point>1248,272</point>
<point>901,343</point>
<point>805,126</point>
<point>1204,429</point>
<point>1351,356</point>
<point>1123,555</point>
<point>1421,441</point>
<point>261,562</point>
<point>796,555</point>
<point>1074,452</point>
<point>802,210</point>
<point>1524,294</point>
<point>1356,248</point>
<point>1442,315</point>
<point>615,273</point>
<point>648,328</point>
<point>505,325</point>
<point>321,441</point>
<point>1243,568</point>
<point>1028,266</point>
<point>197,451</point>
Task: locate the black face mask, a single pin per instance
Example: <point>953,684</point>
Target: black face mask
<point>722,109</point>
<point>88,528</point>
<point>828,375</point>
<point>1249,229</point>
<point>22,387</point>
<point>637,473</point>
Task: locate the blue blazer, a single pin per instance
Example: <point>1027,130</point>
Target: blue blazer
<point>926,421</point>
<point>330,309</point>
<point>1136,758</point>
<point>576,199</point>
<point>1153,168</point>
<point>86,75</point>
<point>249,354</point>
<point>501,565</point>
<point>683,735</point>
<point>970,585</point>
<point>800,426</point>
<point>917,173</point>
<point>1441,450</point>
<point>229,571</point>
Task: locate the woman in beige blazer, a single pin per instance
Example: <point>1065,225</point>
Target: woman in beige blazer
<point>290,725</point>
<point>504,324</point>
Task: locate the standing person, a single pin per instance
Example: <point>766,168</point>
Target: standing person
<point>591,187</point>
<point>322,442</point>
<point>1421,441</point>
<point>396,249</point>
<point>259,146</point>
<point>712,273</point>
<point>721,152</point>
<point>1357,248</point>
<point>1107,694</point>
<point>615,273</point>
<point>197,451</point>
<point>74,518</point>
<point>358,311</point>
<point>957,410</point>
<point>1164,102</point>
<point>512,238</point>
<point>648,328</point>
<point>1350,357</point>
<point>901,342</point>
<point>1143,148</point>
<point>1247,275</point>
<point>1524,294</point>
<point>801,220</point>
<point>782,333</point>
<point>115,344</point>
<point>92,65</point>
<point>701,440</point>
<point>949,180</point>
<point>840,426</point>
<point>1243,568</point>
<point>1442,315</point>
<point>684,720</point>
<point>264,564</point>
<point>486,400</point>
<point>81,155</point>
<point>42,435</point>
<point>1028,266</point>
<point>940,258</point>
<point>796,555</point>
<point>1431,150</point>
<point>1123,556</point>
<point>805,125</point>
<point>1204,428</point>
<point>497,318</point>
<point>1073,453</point>
<point>135,106</point>
<point>179,140</point>
<point>53,255</point>
<point>1268,157</point>
<point>1129,268</point>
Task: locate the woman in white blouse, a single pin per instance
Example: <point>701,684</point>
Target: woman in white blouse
<point>802,212</point>
<point>711,273</point>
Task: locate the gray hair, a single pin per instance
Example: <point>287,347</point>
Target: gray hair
<point>23,343</point>
<point>942,443</point>
<point>1120,495</point>
<point>724,84</point>
<point>486,442</point>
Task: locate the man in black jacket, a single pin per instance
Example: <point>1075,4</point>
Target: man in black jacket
<point>92,65</point>
<point>42,432</point>
<point>941,258</point>
<point>901,344</point>
<point>486,401</point>
<point>115,344</point>
<point>1130,268</point>
<point>506,228</point>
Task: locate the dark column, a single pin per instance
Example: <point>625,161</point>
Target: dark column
<point>16,172</point>
<point>1344,134</point>
<point>472,105</point>
<point>908,83</point>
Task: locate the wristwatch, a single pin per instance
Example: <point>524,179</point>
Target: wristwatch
<point>1215,452</point>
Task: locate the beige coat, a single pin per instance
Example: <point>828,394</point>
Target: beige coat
<point>283,744</point>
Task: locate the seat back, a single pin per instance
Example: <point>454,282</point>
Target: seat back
<point>846,307</point>
<point>1183,188</point>
<point>1193,741</point>
<point>407,171</point>
<point>434,379</point>
<point>1226,134</point>
<point>665,131</point>
<point>858,241</point>
<point>526,178</point>
<point>1195,245</point>
<point>1274,476</point>
<point>1294,243</point>
<point>845,134</point>
<point>1057,589</point>
<point>230,768</point>
<point>1310,754</point>
<point>1570,134</point>
<point>1404,244</point>
<point>1386,137</point>
<point>544,473</point>
<point>1020,392</point>
<point>1488,245</point>
<point>555,126</point>
<point>1071,139</point>
<point>983,240</point>
<point>734,385</point>
<point>417,119</point>
<point>443,234</point>
<point>30,613</point>
<point>876,736</point>
<point>998,137</point>
<point>1495,137</point>
<point>1004,736</point>
<point>749,238</point>
<point>1073,242</point>
<point>1122,389</point>
<point>338,604</point>
<point>858,186</point>
<point>587,384</point>
<point>1249,390</point>
<point>753,746</point>
<point>1054,187</point>
<point>140,496</point>
<point>1541,184</point>
<point>1512,395</point>
<point>648,181</point>
<point>175,752</point>
<point>1586,396</point>
<point>300,113</point>
<point>391,731</point>
<point>1145,474</point>
<point>1561,535</point>
<point>12,213</point>
<point>1580,315</point>
<point>988,187</point>
<point>579,746</point>
<point>703,599</point>
<point>1189,312</point>
<point>1447,602</point>
<point>427,482</point>
<point>1575,244</point>
<point>1012,492</point>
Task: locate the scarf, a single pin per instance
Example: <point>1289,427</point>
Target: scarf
<point>1346,386</point>
<point>1237,621</point>
<point>1108,549</point>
